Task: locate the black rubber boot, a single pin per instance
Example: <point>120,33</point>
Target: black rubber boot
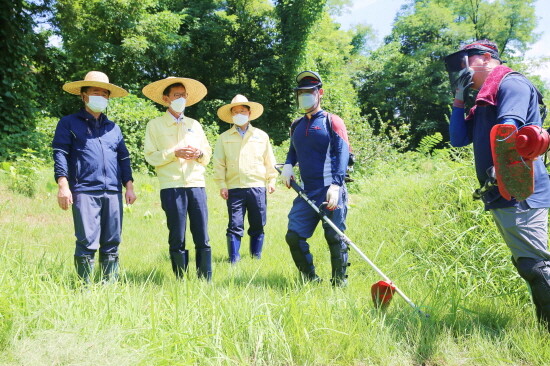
<point>180,262</point>
<point>233,246</point>
<point>299,249</point>
<point>204,263</point>
<point>109,267</point>
<point>338,257</point>
<point>256,245</point>
<point>339,263</point>
<point>536,273</point>
<point>84,267</point>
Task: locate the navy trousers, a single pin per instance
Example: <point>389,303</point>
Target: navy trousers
<point>240,201</point>
<point>97,217</point>
<point>178,203</point>
<point>303,220</point>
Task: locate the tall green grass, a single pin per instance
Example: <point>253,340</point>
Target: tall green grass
<point>416,222</point>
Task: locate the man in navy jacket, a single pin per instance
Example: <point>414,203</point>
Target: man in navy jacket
<point>319,144</point>
<point>91,163</point>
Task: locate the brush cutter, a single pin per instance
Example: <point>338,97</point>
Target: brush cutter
<point>382,291</point>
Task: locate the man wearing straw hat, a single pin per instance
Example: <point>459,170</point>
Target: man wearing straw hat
<point>178,149</point>
<point>244,167</point>
<point>319,143</point>
<point>91,163</point>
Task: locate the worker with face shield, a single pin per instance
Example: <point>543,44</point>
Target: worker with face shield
<point>505,97</point>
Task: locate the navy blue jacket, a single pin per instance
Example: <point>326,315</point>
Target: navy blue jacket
<point>322,154</point>
<point>91,154</point>
<point>516,100</point>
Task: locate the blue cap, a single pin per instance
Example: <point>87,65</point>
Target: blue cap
<point>308,80</point>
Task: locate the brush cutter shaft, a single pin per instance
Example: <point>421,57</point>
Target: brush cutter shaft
<point>347,240</point>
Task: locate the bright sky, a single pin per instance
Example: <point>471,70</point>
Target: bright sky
<point>380,14</point>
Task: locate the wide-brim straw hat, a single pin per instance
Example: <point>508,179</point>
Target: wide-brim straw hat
<point>97,79</point>
<point>194,88</point>
<point>256,109</point>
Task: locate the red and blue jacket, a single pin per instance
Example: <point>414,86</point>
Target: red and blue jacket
<point>321,148</point>
<point>90,153</point>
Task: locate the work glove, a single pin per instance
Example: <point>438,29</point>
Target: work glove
<point>464,82</point>
<point>287,174</point>
<point>333,194</point>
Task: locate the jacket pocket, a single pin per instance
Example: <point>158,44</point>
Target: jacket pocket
<point>256,152</point>
<point>232,152</point>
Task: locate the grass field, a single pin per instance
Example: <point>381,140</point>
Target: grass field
<point>417,223</point>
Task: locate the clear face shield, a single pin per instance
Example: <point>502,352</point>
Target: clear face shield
<point>455,63</point>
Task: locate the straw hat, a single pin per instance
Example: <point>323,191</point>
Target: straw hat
<point>98,79</point>
<point>195,90</point>
<point>256,109</point>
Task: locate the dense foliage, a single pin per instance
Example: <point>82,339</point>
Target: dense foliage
<point>405,79</point>
<point>18,90</point>
<point>398,90</point>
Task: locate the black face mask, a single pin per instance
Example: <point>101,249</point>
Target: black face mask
<point>454,64</point>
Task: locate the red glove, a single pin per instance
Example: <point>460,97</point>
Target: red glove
<point>532,141</point>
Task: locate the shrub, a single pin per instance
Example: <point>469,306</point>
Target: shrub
<point>206,113</point>
<point>23,173</point>
<point>280,151</point>
<point>132,115</point>
<point>370,147</point>
<point>38,140</point>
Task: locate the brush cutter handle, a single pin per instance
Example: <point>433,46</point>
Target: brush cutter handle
<point>348,241</point>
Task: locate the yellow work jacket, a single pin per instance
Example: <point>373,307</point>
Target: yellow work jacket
<point>244,162</point>
<point>162,137</point>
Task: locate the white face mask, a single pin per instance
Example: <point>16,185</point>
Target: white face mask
<point>178,105</point>
<point>306,101</point>
<point>240,119</point>
<point>97,103</point>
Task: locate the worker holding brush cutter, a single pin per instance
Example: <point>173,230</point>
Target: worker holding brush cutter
<point>319,144</point>
<point>504,126</point>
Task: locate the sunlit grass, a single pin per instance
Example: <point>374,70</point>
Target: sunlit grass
<point>418,224</point>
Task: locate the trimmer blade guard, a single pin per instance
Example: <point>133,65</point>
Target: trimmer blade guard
<point>382,293</point>
<point>515,176</point>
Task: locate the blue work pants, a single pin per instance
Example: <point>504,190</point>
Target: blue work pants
<point>97,217</point>
<point>303,220</point>
<point>178,203</point>
<point>241,200</point>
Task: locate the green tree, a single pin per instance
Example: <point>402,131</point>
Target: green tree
<point>329,51</point>
<point>18,90</point>
<point>252,47</point>
<point>132,41</point>
<point>405,80</point>
<point>509,23</point>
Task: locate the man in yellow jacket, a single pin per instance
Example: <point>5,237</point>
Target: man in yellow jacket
<point>178,149</point>
<point>244,168</point>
